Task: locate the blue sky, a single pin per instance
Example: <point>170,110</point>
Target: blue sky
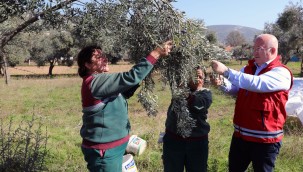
<point>250,13</point>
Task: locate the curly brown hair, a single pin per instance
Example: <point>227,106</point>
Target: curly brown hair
<point>85,56</point>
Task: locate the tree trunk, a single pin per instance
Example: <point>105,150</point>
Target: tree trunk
<point>51,67</point>
<point>4,66</point>
<point>6,73</point>
<point>1,67</point>
<point>301,74</point>
<point>285,58</point>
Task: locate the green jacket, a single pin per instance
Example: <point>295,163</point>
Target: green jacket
<point>105,108</point>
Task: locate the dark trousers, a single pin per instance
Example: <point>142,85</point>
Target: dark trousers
<point>262,155</point>
<point>178,154</point>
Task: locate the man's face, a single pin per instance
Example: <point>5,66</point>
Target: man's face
<point>262,53</point>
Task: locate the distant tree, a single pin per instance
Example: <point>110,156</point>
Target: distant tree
<point>243,52</point>
<point>52,47</point>
<point>289,31</point>
<point>27,13</point>
<point>235,38</point>
<point>113,58</point>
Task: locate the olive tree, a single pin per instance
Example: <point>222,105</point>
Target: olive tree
<point>135,27</point>
<point>53,47</point>
<point>243,52</point>
<point>289,30</point>
<point>212,38</point>
<point>139,26</point>
<point>192,49</point>
<point>27,13</point>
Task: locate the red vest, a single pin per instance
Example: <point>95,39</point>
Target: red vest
<point>259,117</point>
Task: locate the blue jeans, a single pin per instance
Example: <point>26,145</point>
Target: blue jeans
<point>178,154</point>
<point>110,161</point>
<point>262,155</point>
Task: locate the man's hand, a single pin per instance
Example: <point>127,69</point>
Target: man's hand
<point>218,67</point>
<point>216,80</point>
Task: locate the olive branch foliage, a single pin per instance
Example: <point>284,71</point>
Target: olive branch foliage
<point>136,27</point>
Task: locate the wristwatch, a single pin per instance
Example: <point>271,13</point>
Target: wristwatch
<point>226,73</point>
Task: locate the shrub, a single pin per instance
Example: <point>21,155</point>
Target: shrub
<point>293,126</point>
<point>24,148</point>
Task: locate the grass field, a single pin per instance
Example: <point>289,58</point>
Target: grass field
<point>58,102</point>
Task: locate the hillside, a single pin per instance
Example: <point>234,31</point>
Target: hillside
<point>223,30</point>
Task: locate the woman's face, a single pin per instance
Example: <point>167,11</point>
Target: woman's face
<point>99,63</point>
<point>196,82</point>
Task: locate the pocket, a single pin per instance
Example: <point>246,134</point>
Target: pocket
<point>264,110</point>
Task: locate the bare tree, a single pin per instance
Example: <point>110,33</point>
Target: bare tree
<point>235,38</point>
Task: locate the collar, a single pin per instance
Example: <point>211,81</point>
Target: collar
<point>264,64</point>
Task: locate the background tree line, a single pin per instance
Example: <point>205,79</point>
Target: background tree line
<point>288,28</point>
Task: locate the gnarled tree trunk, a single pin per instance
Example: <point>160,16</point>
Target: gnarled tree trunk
<point>3,62</point>
<point>52,63</point>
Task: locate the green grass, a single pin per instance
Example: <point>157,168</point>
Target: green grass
<point>57,101</point>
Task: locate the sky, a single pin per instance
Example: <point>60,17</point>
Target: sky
<point>249,13</point>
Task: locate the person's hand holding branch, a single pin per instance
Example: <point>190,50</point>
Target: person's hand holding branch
<point>162,51</point>
<point>218,67</point>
